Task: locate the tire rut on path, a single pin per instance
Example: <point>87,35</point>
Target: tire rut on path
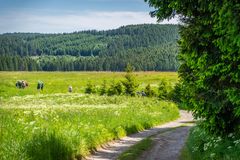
<point>112,150</point>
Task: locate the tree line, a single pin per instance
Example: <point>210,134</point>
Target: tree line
<point>146,47</point>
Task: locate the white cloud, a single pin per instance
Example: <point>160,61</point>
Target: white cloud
<point>70,21</point>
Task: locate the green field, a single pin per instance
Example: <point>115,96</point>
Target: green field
<point>58,82</point>
<point>54,124</point>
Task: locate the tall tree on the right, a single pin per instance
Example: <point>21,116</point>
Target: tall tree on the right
<point>209,57</point>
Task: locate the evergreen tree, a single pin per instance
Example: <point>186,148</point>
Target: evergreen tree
<point>149,91</point>
<point>210,58</point>
<point>130,82</point>
<point>162,89</point>
<point>103,89</point>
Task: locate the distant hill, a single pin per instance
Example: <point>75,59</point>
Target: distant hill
<point>146,47</point>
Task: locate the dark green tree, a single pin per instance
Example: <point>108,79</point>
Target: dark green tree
<point>130,84</point>
<point>115,89</point>
<point>149,91</point>
<point>103,89</point>
<point>162,89</point>
<point>90,88</point>
<point>210,58</point>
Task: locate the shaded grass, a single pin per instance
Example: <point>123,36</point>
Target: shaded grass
<point>201,146</point>
<point>134,152</point>
<point>185,154</point>
<point>48,146</point>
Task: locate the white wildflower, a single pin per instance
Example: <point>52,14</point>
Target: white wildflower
<point>236,142</point>
<point>230,135</point>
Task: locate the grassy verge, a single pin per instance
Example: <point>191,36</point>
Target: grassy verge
<point>71,125</point>
<point>134,152</point>
<point>201,146</point>
<point>185,154</point>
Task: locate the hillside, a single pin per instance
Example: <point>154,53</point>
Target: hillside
<point>146,47</point>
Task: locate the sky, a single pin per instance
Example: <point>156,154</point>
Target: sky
<point>61,16</point>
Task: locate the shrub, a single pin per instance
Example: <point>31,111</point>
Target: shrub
<point>119,88</point>
<point>115,89</point>
<point>175,93</point>
<point>103,89</point>
<point>162,89</point>
<point>90,88</point>
<point>130,83</point>
<point>149,91</point>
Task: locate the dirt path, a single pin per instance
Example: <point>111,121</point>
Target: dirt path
<point>167,144</point>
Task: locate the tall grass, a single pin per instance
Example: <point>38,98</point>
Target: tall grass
<point>67,126</point>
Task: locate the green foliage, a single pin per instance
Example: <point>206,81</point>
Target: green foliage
<point>149,91</point>
<point>129,68</point>
<point>162,89</point>
<point>147,47</point>
<point>56,126</point>
<point>210,58</point>
<point>111,90</point>
<point>202,146</point>
<point>130,82</point>
<point>115,89</point>
<point>176,93</point>
<point>90,88</point>
<point>103,89</point>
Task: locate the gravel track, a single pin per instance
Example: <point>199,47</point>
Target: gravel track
<point>168,141</point>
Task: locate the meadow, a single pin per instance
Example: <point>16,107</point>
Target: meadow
<point>55,124</point>
<point>58,82</point>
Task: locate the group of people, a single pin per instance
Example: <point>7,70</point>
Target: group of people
<point>21,84</point>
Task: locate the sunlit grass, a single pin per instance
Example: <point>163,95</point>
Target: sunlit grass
<point>58,82</point>
<point>52,126</point>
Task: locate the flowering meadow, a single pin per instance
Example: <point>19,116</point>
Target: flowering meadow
<point>71,125</point>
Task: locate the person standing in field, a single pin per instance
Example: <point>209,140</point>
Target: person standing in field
<point>40,85</point>
<point>70,89</point>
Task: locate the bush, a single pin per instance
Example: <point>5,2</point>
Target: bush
<point>119,88</point>
<point>115,89</point>
<point>175,93</point>
<point>103,89</point>
<point>149,91</point>
<point>162,89</point>
<point>130,83</point>
<point>90,88</point>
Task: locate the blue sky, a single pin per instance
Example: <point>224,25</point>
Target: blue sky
<point>57,16</point>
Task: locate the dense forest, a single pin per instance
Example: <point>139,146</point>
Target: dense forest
<point>146,47</point>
